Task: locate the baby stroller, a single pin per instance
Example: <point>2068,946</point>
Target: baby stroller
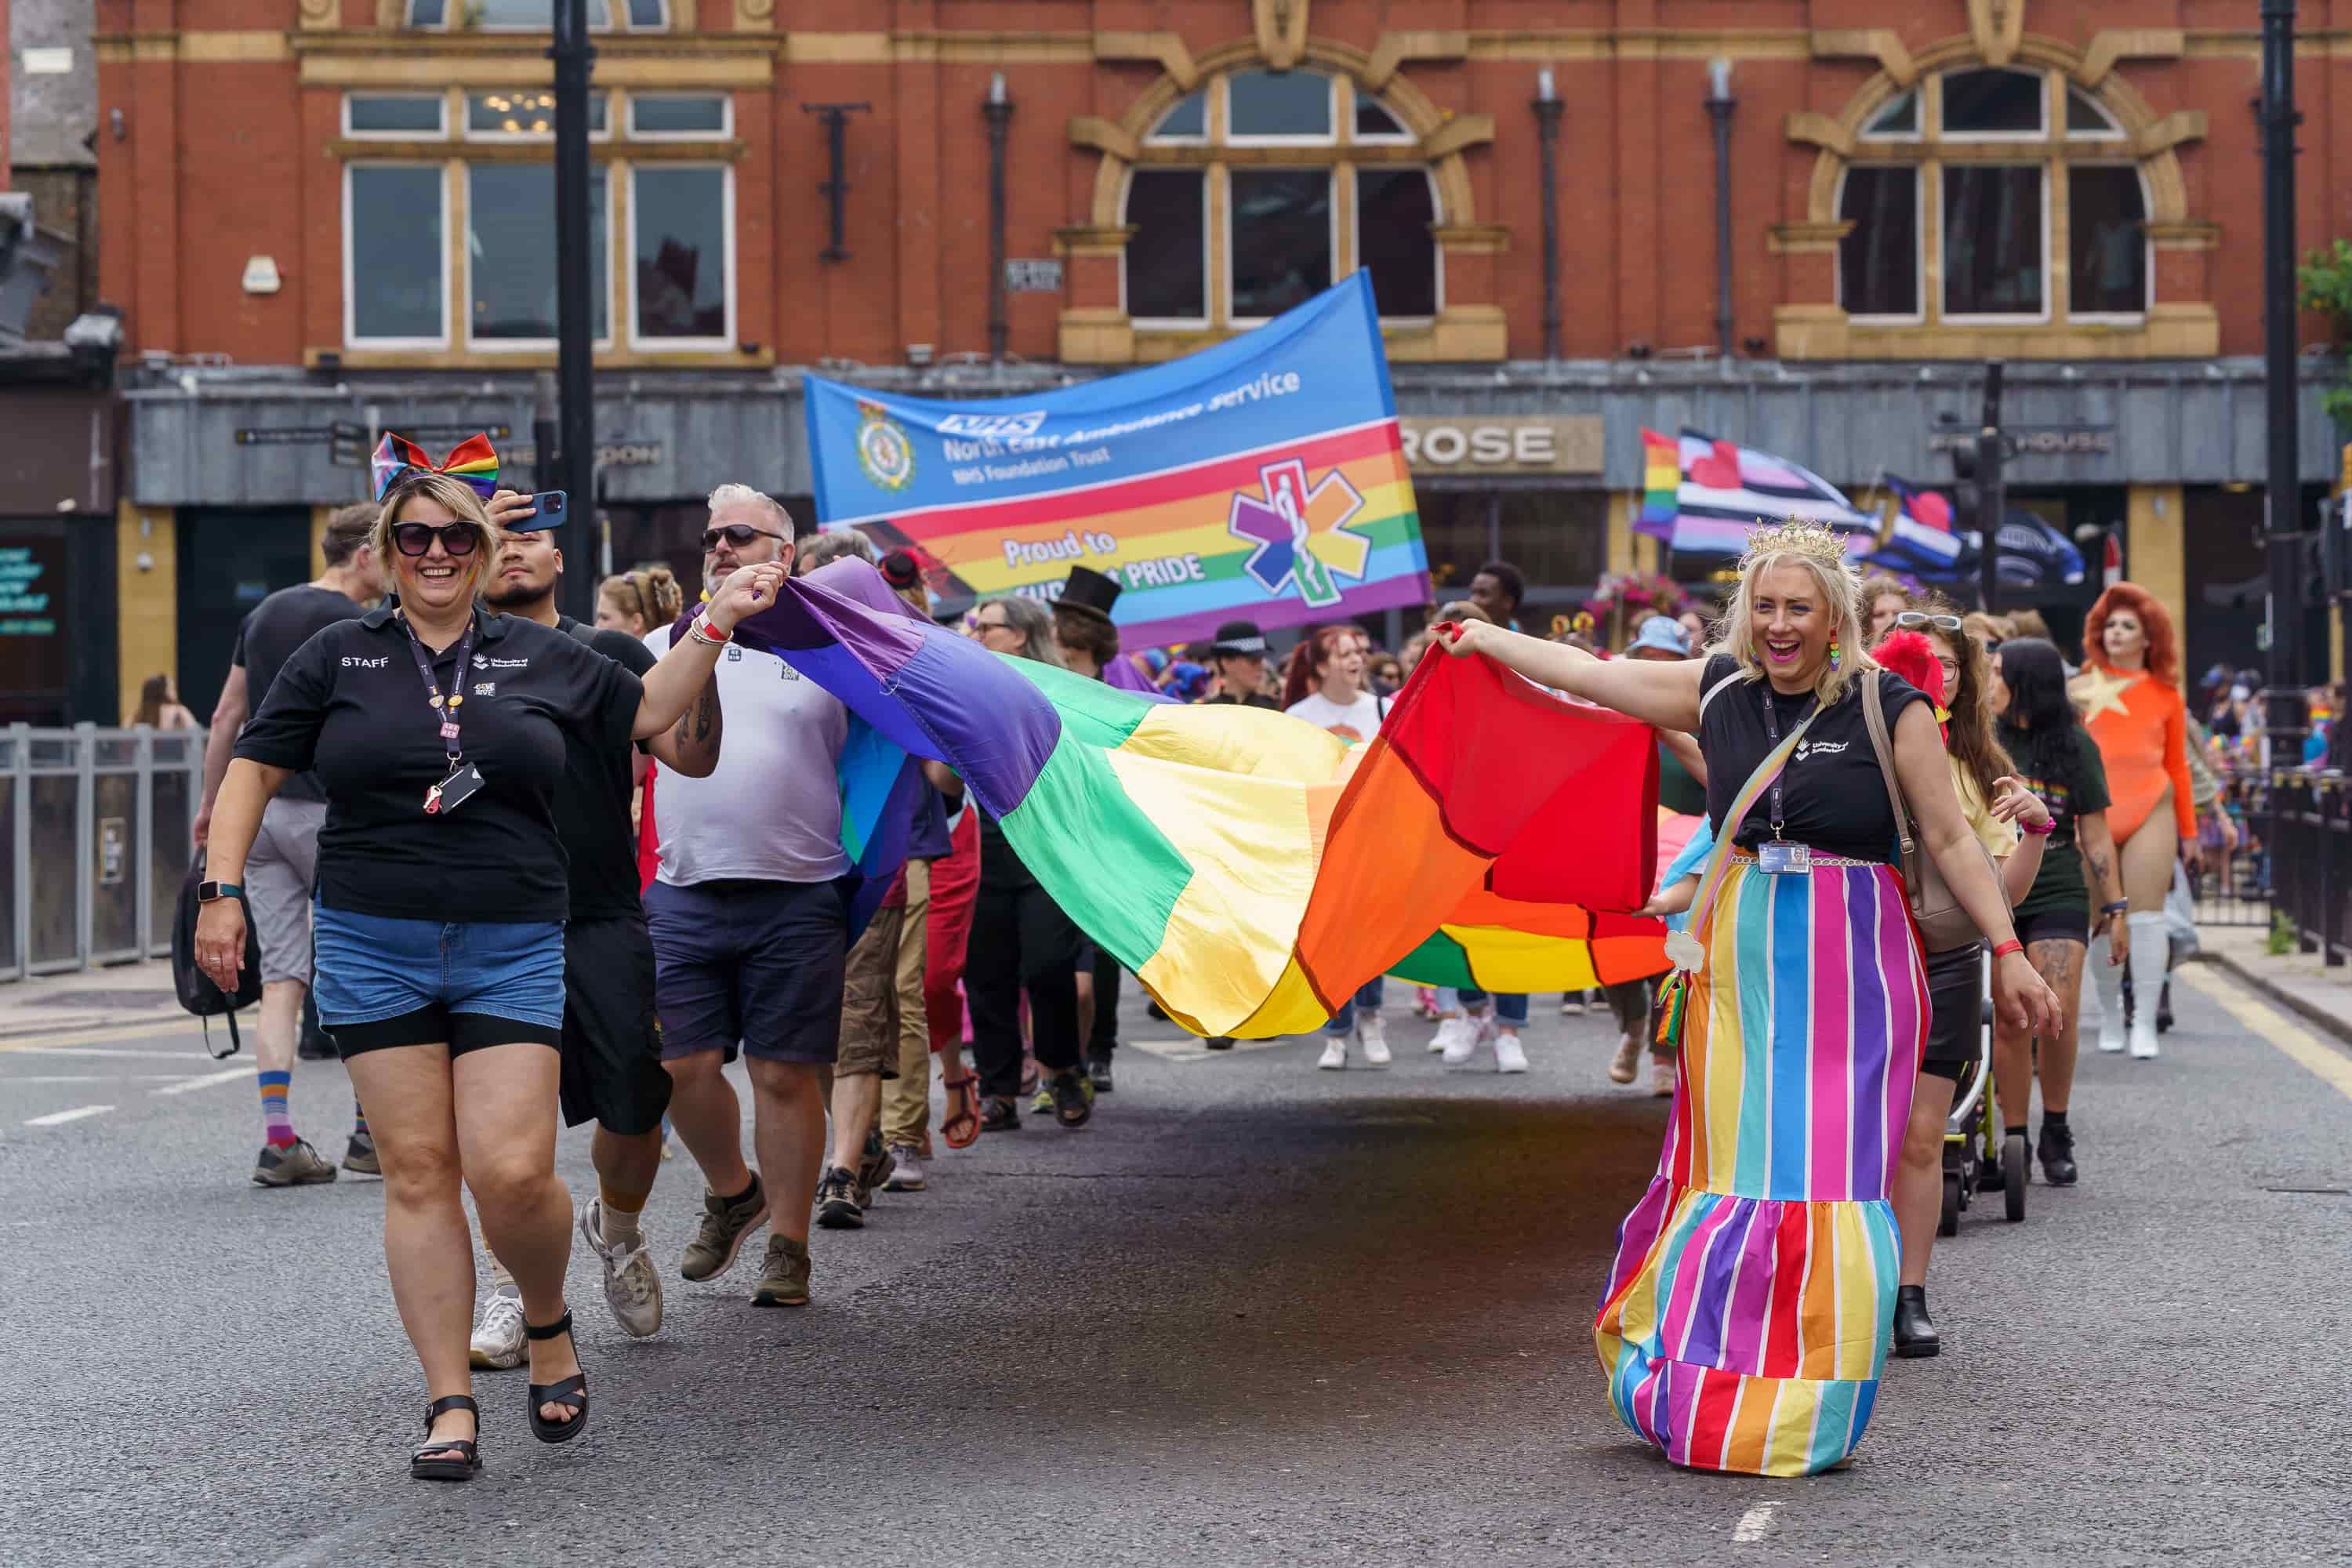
<point>1977,1158</point>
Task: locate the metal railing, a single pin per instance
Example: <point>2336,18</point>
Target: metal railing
<point>2310,871</point>
<point>2234,889</point>
<point>96,843</point>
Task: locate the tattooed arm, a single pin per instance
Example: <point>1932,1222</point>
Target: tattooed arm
<point>2106,874</point>
<point>690,746</point>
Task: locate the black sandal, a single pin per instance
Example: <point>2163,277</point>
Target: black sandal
<point>572,1393</point>
<point>438,1466</point>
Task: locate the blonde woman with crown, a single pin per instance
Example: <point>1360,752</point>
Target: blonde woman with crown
<point>1749,1311</point>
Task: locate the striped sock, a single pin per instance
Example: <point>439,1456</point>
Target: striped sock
<point>275,1123</point>
<point>359,1118</point>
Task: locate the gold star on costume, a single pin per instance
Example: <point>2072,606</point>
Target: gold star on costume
<point>2098,690</point>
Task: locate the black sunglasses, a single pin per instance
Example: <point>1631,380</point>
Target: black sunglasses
<point>738,534</point>
<point>1914,619</point>
<point>416,538</point>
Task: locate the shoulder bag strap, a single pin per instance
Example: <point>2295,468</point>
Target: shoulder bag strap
<point>1874,718</point>
<point>1751,792</point>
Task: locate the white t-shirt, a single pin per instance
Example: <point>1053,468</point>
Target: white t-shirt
<point>771,811</point>
<point>1358,720</point>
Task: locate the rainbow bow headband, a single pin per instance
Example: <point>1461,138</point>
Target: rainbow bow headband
<point>471,461</point>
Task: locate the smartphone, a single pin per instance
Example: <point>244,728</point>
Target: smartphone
<point>546,511</point>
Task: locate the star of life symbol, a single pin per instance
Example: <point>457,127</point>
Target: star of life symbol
<point>1303,534</point>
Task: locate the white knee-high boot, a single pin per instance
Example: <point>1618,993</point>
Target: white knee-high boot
<point>2108,984</point>
<point>2149,950</point>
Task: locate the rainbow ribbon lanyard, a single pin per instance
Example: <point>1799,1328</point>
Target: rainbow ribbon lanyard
<point>1766,772</point>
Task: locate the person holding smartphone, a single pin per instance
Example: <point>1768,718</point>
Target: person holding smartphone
<point>436,731</point>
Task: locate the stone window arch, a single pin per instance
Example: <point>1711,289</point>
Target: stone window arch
<point>2029,204</point>
<point>1234,190</point>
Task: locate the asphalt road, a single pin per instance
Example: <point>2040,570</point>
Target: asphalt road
<point>1254,1314</point>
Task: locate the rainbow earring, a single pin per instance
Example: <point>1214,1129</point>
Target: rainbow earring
<point>1834,653</point>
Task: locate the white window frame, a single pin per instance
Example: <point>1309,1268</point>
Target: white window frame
<point>466,132</point>
<point>628,260</point>
<point>2115,130</point>
<point>726,117</point>
<point>449,22</point>
<point>2040,168</point>
<point>1438,251</point>
<point>1331,106</point>
<point>1156,137</point>
<point>1918,249</point>
<point>1403,136</point>
<point>1330,173</point>
<point>1208,254</point>
<point>2039,131</point>
<point>2147,248</point>
<point>440,111</point>
<point>1917,94</point>
<point>465,280</point>
<point>352,340</point>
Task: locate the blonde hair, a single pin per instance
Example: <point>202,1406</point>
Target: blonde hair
<point>457,498</point>
<point>744,495</point>
<point>1840,588</point>
<point>649,593</point>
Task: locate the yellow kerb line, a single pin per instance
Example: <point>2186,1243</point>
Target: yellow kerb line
<point>103,1037</point>
<point>2326,1062</point>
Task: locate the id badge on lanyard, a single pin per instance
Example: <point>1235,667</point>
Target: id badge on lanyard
<point>464,779</point>
<point>1778,856</point>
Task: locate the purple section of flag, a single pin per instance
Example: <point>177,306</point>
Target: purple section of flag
<point>1121,673</point>
<point>929,690</point>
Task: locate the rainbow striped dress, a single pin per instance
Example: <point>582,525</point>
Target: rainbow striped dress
<point>1748,1315</point>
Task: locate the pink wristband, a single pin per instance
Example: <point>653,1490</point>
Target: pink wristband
<point>2049,825</point>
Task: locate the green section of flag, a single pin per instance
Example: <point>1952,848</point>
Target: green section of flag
<point>1440,961</point>
<point>1094,712</point>
<point>1114,873</point>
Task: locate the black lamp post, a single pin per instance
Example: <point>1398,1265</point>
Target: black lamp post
<point>2288,717</point>
<point>1548,108</point>
<point>574,306</point>
<point>1719,105</point>
<point>999,112</point>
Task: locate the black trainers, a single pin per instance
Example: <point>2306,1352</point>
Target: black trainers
<point>838,1207</point>
<point>874,1167</point>
<point>1098,1070</point>
<point>2058,1155</point>
<point>1000,1113</point>
<point>1072,1102</point>
<point>1219,1043</point>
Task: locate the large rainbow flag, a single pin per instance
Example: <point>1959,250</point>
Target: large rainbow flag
<point>1251,868</point>
<point>1260,477</point>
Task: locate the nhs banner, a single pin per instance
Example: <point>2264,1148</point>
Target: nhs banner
<point>1261,477</point>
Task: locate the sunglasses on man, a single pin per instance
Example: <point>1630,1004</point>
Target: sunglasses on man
<point>737,534</point>
<point>416,538</point>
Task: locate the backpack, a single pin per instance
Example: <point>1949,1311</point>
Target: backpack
<point>197,993</point>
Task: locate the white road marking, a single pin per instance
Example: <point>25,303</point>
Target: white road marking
<point>1754,1523</point>
<point>98,1077</point>
<point>178,1026</point>
<point>226,1075</point>
<point>2325,1063</point>
<point>75,1114</point>
<point>179,1056</point>
<point>1192,1049</point>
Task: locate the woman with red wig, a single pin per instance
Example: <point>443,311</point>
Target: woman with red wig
<point>2129,694</point>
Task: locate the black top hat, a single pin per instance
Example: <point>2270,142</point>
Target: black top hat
<point>901,570</point>
<point>1238,636</point>
<point>1089,591</point>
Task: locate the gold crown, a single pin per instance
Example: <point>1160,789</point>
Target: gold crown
<point>1795,537</point>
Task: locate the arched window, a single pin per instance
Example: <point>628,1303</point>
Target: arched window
<point>1261,188</point>
<point>1993,194</point>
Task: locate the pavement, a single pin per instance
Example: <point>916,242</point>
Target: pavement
<point>2319,993</point>
<point>1254,1314</point>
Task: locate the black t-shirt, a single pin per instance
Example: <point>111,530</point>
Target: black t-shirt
<point>278,625</point>
<point>591,809</point>
<point>350,705</point>
<point>1254,699</point>
<point>2063,767</point>
<point>1833,796</point>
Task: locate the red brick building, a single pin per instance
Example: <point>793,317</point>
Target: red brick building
<point>340,211</point>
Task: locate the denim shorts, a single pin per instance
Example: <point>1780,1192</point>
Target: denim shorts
<point>383,982</point>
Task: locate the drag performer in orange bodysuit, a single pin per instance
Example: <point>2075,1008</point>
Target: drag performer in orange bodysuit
<point>2130,699</point>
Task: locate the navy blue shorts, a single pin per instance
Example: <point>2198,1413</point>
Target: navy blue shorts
<point>383,981</point>
<point>754,964</point>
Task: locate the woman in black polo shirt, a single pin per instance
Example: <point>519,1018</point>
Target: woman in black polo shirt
<point>437,731</point>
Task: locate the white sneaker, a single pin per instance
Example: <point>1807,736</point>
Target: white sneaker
<point>1456,1039</point>
<point>1375,1042</point>
<point>2143,1038</point>
<point>1445,1021</point>
<point>1335,1053</point>
<point>632,1283</point>
<point>1627,1061</point>
<point>2111,1036</point>
<point>497,1333</point>
<point>907,1174</point>
<point>1508,1058</point>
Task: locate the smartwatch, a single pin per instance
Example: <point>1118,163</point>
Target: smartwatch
<point>207,892</point>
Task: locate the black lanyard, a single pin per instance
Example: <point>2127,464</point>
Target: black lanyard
<point>1772,728</point>
<point>445,708</point>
